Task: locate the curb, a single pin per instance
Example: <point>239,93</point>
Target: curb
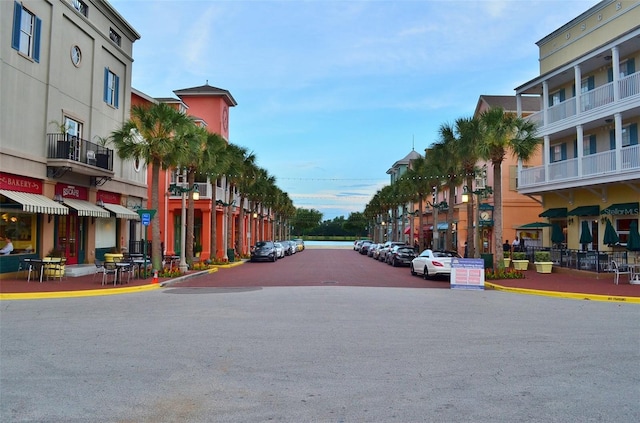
<point>569,295</point>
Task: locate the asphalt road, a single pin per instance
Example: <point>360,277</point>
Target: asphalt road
<point>236,349</point>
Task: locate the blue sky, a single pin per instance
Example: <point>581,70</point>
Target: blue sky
<point>331,93</point>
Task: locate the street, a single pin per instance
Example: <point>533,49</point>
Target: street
<point>360,342</point>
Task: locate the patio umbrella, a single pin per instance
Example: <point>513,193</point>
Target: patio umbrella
<point>557,237</point>
<point>585,235</point>
<point>633,241</point>
<point>610,235</point>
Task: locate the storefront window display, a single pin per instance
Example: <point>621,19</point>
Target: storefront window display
<point>21,228</point>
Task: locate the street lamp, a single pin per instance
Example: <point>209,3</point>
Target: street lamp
<point>182,188</point>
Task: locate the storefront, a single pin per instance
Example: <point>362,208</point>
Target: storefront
<point>25,215</point>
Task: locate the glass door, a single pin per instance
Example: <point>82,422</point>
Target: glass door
<point>68,236</point>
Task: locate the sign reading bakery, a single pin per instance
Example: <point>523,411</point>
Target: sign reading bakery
<point>20,183</point>
<point>72,191</point>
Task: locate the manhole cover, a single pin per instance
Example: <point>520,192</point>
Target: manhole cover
<point>208,290</point>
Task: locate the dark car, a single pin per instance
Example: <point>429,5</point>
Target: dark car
<point>264,251</point>
<point>401,256</point>
<point>364,249</point>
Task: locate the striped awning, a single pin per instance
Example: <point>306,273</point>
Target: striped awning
<point>121,212</point>
<point>35,203</point>
<point>85,208</point>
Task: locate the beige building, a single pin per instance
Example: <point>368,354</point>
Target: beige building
<point>589,90</point>
<point>65,86</point>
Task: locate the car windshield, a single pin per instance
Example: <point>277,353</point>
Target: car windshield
<point>261,244</point>
<point>445,254</point>
<point>405,250</point>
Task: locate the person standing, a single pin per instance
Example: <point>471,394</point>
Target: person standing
<point>8,246</point>
<point>506,247</point>
<point>515,246</point>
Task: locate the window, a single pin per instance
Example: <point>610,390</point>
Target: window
<point>115,37</point>
<point>589,145</point>
<point>21,228</point>
<point>111,85</point>
<point>556,153</point>
<point>26,32</point>
<point>81,7</point>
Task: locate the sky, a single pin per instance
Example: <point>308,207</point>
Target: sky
<point>332,93</point>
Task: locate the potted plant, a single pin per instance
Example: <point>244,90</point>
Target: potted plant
<point>506,257</point>
<point>543,261</point>
<point>519,260</point>
<point>102,155</point>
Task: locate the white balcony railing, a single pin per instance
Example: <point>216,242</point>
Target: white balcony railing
<point>597,97</point>
<point>562,110</point>
<point>598,164</point>
<point>630,85</point>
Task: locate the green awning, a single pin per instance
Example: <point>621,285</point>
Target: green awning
<point>535,225</point>
<point>585,211</point>
<point>485,206</point>
<point>551,213</point>
<point>622,209</point>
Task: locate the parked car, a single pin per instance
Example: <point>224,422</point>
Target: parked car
<point>264,251</point>
<point>433,263</point>
<point>300,244</point>
<point>372,249</point>
<point>387,246</point>
<point>401,255</point>
<point>279,249</point>
<point>364,249</point>
<point>290,247</point>
<point>358,243</point>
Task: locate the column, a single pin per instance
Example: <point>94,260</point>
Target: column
<point>580,147</point>
<point>578,84</point>
<point>617,118</point>
<point>615,62</point>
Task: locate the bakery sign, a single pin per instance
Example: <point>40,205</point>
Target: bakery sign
<point>20,183</point>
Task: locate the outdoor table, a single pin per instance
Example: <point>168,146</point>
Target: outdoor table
<point>140,262</point>
<point>36,265</point>
<point>122,268</point>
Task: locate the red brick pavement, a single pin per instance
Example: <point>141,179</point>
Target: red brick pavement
<point>339,267</point>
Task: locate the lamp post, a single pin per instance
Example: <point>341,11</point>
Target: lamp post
<point>481,193</point>
<point>183,188</point>
<point>437,206</point>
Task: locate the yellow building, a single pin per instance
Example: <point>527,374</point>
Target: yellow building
<point>589,92</point>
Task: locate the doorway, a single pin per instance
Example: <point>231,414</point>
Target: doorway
<point>69,236</point>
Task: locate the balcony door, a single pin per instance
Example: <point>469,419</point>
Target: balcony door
<point>74,137</point>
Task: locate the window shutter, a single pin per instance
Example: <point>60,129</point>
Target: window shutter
<point>592,144</point>
<point>552,159</point>
<point>513,178</point>
<point>631,66</point>
<point>633,134</point>
<point>562,95</point>
<point>612,139</point>
<point>563,151</point>
<point>116,91</point>
<point>573,90</point>
<point>575,148</point>
<point>36,40</point>
<point>17,17</point>
<point>610,75</point>
<point>591,83</point>
<point>106,85</point>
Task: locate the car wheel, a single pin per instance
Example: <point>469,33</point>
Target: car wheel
<point>413,272</point>
<point>394,263</point>
<point>425,275</point>
<point>274,258</point>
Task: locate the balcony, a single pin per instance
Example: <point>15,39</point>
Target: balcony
<point>600,99</point>
<point>69,153</point>
<point>595,168</point>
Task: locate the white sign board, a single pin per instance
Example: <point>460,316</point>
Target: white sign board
<point>467,273</point>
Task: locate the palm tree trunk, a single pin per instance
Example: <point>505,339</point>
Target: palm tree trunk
<point>471,250</point>
<point>230,220</point>
<point>191,179</point>
<point>156,254</point>
<point>240,228</point>
<point>450,210</point>
<point>497,213</point>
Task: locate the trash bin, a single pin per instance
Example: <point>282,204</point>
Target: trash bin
<point>488,260</point>
<point>231,255</point>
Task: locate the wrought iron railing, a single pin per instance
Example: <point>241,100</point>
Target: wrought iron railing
<point>592,261</point>
<point>68,147</point>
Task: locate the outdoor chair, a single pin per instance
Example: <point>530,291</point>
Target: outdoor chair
<point>99,268</point>
<point>620,270</point>
<point>110,268</point>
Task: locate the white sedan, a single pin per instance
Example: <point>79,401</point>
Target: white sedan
<point>279,250</point>
<point>433,263</point>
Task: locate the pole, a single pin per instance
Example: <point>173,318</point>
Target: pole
<point>183,226</point>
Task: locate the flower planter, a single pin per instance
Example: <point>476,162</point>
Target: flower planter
<point>543,266</point>
<point>520,264</point>
<point>507,262</point>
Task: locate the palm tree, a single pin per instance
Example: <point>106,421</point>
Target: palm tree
<point>153,134</point>
<point>469,134</point>
<point>419,180</point>
<point>239,161</point>
<point>504,132</point>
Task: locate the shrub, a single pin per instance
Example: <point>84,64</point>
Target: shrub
<point>506,254</point>
<point>542,256</point>
<point>519,255</point>
<point>503,273</point>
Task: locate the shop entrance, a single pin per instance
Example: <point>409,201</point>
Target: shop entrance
<point>69,237</point>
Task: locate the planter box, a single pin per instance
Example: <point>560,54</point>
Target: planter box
<point>543,266</point>
<point>507,262</point>
<point>520,264</point>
